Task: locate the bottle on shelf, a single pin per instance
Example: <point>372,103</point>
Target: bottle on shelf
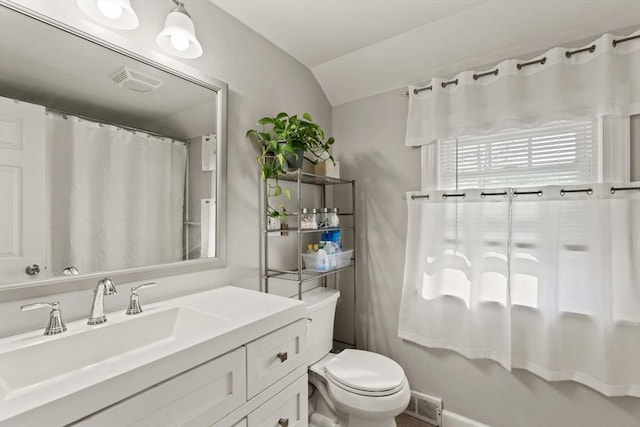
<point>334,237</point>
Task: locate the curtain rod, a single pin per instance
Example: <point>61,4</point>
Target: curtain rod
<point>118,126</point>
<point>516,193</point>
<point>520,66</point>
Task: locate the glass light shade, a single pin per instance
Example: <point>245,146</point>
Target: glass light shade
<point>116,14</point>
<point>179,35</point>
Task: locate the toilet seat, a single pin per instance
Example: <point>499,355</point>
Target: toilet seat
<point>365,373</point>
<point>380,393</point>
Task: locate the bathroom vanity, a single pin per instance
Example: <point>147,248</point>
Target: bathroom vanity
<point>225,357</point>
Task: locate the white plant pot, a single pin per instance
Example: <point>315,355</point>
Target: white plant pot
<point>273,223</point>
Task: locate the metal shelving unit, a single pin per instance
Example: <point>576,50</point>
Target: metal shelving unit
<point>301,275</point>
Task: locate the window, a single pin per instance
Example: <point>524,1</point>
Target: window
<point>560,153</point>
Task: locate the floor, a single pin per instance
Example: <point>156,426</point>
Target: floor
<point>404,420</point>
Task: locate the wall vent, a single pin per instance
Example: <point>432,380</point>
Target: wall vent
<point>134,80</point>
<point>426,408</point>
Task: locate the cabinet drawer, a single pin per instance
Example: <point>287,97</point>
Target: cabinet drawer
<point>286,409</point>
<point>273,356</point>
<point>207,392</point>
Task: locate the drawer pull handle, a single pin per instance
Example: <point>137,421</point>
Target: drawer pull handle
<point>283,356</point>
<point>283,422</point>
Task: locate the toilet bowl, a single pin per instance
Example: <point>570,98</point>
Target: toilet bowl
<point>353,388</point>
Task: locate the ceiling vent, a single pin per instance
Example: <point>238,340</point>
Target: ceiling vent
<point>133,80</point>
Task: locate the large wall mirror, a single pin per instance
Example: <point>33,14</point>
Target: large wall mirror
<point>109,162</point>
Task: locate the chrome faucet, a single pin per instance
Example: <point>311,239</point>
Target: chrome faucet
<point>104,287</point>
<point>56,324</point>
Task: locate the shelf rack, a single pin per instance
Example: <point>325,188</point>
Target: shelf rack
<point>301,275</point>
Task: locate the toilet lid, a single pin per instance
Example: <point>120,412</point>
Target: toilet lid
<point>365,371</point>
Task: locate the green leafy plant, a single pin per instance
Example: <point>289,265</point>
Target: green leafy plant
<point>283,141</point>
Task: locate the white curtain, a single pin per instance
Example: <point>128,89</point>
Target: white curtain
<point>451,299</point>
<point>586,85</point>
<point>546,283</point>
<point>116,196</point>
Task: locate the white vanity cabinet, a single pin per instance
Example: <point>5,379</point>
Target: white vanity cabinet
<point>225,357</point>
<point>286,409</point>
<point>261,383</point>
<point>273,356</point>
<point>210,390</point>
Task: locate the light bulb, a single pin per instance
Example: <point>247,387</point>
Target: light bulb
<point>110,9</point>
<point>180,42</point>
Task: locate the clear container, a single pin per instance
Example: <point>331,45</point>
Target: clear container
<point>308,219</point>
<point>319,261</point>
<point>328,218</point>
<point>344,258</point>
<point>322,261</point>
<point>323,218</point>
<point>334,219</point>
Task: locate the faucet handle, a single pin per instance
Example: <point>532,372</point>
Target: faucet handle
<point>56,324</point>
<point>144,285</point>
<point>134,302</point>
<point>53,305</point>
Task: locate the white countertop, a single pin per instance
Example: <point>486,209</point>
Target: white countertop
<point>65,377</point>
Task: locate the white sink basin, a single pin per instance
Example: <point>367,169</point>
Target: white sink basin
<point>69,376</point>
<point>95,348</point>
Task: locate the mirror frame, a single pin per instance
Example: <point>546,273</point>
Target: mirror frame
<point>60,284</point>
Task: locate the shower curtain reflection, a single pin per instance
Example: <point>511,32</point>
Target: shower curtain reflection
<point>116,196</point>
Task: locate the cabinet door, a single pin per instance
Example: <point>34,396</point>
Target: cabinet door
<point>274,355</point>
<point>22,190</point>
<point>286,409</point>
<point>207,392</point>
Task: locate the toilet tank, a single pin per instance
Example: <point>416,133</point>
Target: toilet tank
<point>321,308</point>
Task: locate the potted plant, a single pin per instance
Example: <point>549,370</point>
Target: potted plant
<point>283,142</point>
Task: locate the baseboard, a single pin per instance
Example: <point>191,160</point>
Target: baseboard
<point>451,419</point>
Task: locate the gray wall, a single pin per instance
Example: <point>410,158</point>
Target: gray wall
<point>263,80</point>
<point>371,150</point>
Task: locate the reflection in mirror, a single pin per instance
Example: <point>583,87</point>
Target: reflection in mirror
<point>106,163</point>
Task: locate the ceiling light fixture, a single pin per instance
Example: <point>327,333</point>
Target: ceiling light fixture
<point>116,14</point>
<point>179,35</point>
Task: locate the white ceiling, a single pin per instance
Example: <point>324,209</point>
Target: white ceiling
<point>315,32</point>
<point>358,48</point>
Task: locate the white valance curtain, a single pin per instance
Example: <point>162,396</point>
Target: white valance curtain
<point>116,196</point>
<point>547,281</point>
<point>602,79</point>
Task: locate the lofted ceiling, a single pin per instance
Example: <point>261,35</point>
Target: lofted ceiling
<point>358,48</point>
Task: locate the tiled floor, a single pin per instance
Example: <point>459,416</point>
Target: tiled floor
<point>404,420</point>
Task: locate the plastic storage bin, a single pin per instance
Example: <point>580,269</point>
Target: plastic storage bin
<point>344,258</point>
<point>327,262</point>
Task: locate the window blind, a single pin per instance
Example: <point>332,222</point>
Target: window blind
<point>561,153</point>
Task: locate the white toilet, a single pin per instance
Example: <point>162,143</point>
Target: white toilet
<point>353,388</point>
